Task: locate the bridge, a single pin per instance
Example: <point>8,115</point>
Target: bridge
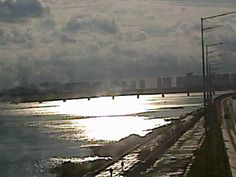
<point>50,96</point>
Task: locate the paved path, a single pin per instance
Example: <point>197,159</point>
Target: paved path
<point>130,159</point>
<point>175,160</point>
<point>178,159</point>
<point>227,119</point>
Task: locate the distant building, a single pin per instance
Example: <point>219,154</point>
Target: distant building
<point>96,85</point>
<point>142,84</point>
<point>115,84</point>
<point>77,86</point>
<point>189,80</point>
<point>133,85</point>
<point>220,81</point>
<point>225,80</point>
<point>215,81</point>
<point>159,83</point>
<point>124,85</point>
<point>51,87</point>
<point>167,82</point>
<point>181,82</point>
<point>197,82</point>
<point>233,80</point>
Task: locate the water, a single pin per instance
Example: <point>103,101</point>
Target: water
<point>36,136</point>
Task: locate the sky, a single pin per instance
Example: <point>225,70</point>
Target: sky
<point>90,40</point>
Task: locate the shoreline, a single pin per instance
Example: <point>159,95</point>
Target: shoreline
<point>117,150</point>
<point>112,151</point>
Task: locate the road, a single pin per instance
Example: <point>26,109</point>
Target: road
<point>171,154</point>
<point>227,118</point>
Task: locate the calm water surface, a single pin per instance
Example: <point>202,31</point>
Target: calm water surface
<point>35,136</point>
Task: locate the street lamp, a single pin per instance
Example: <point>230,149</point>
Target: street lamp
<point>203,58</point>
<point>208,98</point>
<point>210,75</point>
<point>203,52</point>
<point>206,126</point>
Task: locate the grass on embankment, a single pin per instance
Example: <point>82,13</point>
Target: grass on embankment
<point>211,160</point>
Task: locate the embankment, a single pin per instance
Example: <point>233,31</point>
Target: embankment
<point>117,150</point>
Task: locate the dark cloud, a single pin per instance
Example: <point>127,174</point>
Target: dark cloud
<point>140,36</point>
<point>225,35</point>
<point>226,63</point>
<point>151,65</point>
<point>16,36</point>
<point>13,10</point>
<point>67,39</point>
<point>48,23</point>
<point>6,79</point>
<point>92,25</point>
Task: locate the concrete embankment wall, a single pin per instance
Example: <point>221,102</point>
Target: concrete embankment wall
<point>162,141</point>
<point>226,114</point>
<point>212,160</point>
<point>233,105</point>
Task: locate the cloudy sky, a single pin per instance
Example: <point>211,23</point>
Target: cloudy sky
<point>79,40</point>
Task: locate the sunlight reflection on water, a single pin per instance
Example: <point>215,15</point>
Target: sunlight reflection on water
<point>101,106</point>
<point>121,105</point>
<point>110,120</point>
<point>57,130</point>
<point>104,118</point>
<point>115,128</point>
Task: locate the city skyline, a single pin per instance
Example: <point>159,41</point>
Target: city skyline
<point>50,41</point>
<point>185,81</point>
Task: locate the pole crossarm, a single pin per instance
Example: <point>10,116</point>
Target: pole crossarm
<point>212,27</point>
<point>213,56</point>
<point>214,62</point>
<point>219,15</point>
<point>215,44</point>
<point>213,51</point>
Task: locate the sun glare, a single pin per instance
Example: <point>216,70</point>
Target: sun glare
<point>106,118</point>
<point>115,128</point>
<point>104,106</point>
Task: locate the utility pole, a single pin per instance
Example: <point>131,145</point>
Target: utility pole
<point>203,65</point>
<point>208,73</point>
<point>206,111</point>
<point>203,52</point>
